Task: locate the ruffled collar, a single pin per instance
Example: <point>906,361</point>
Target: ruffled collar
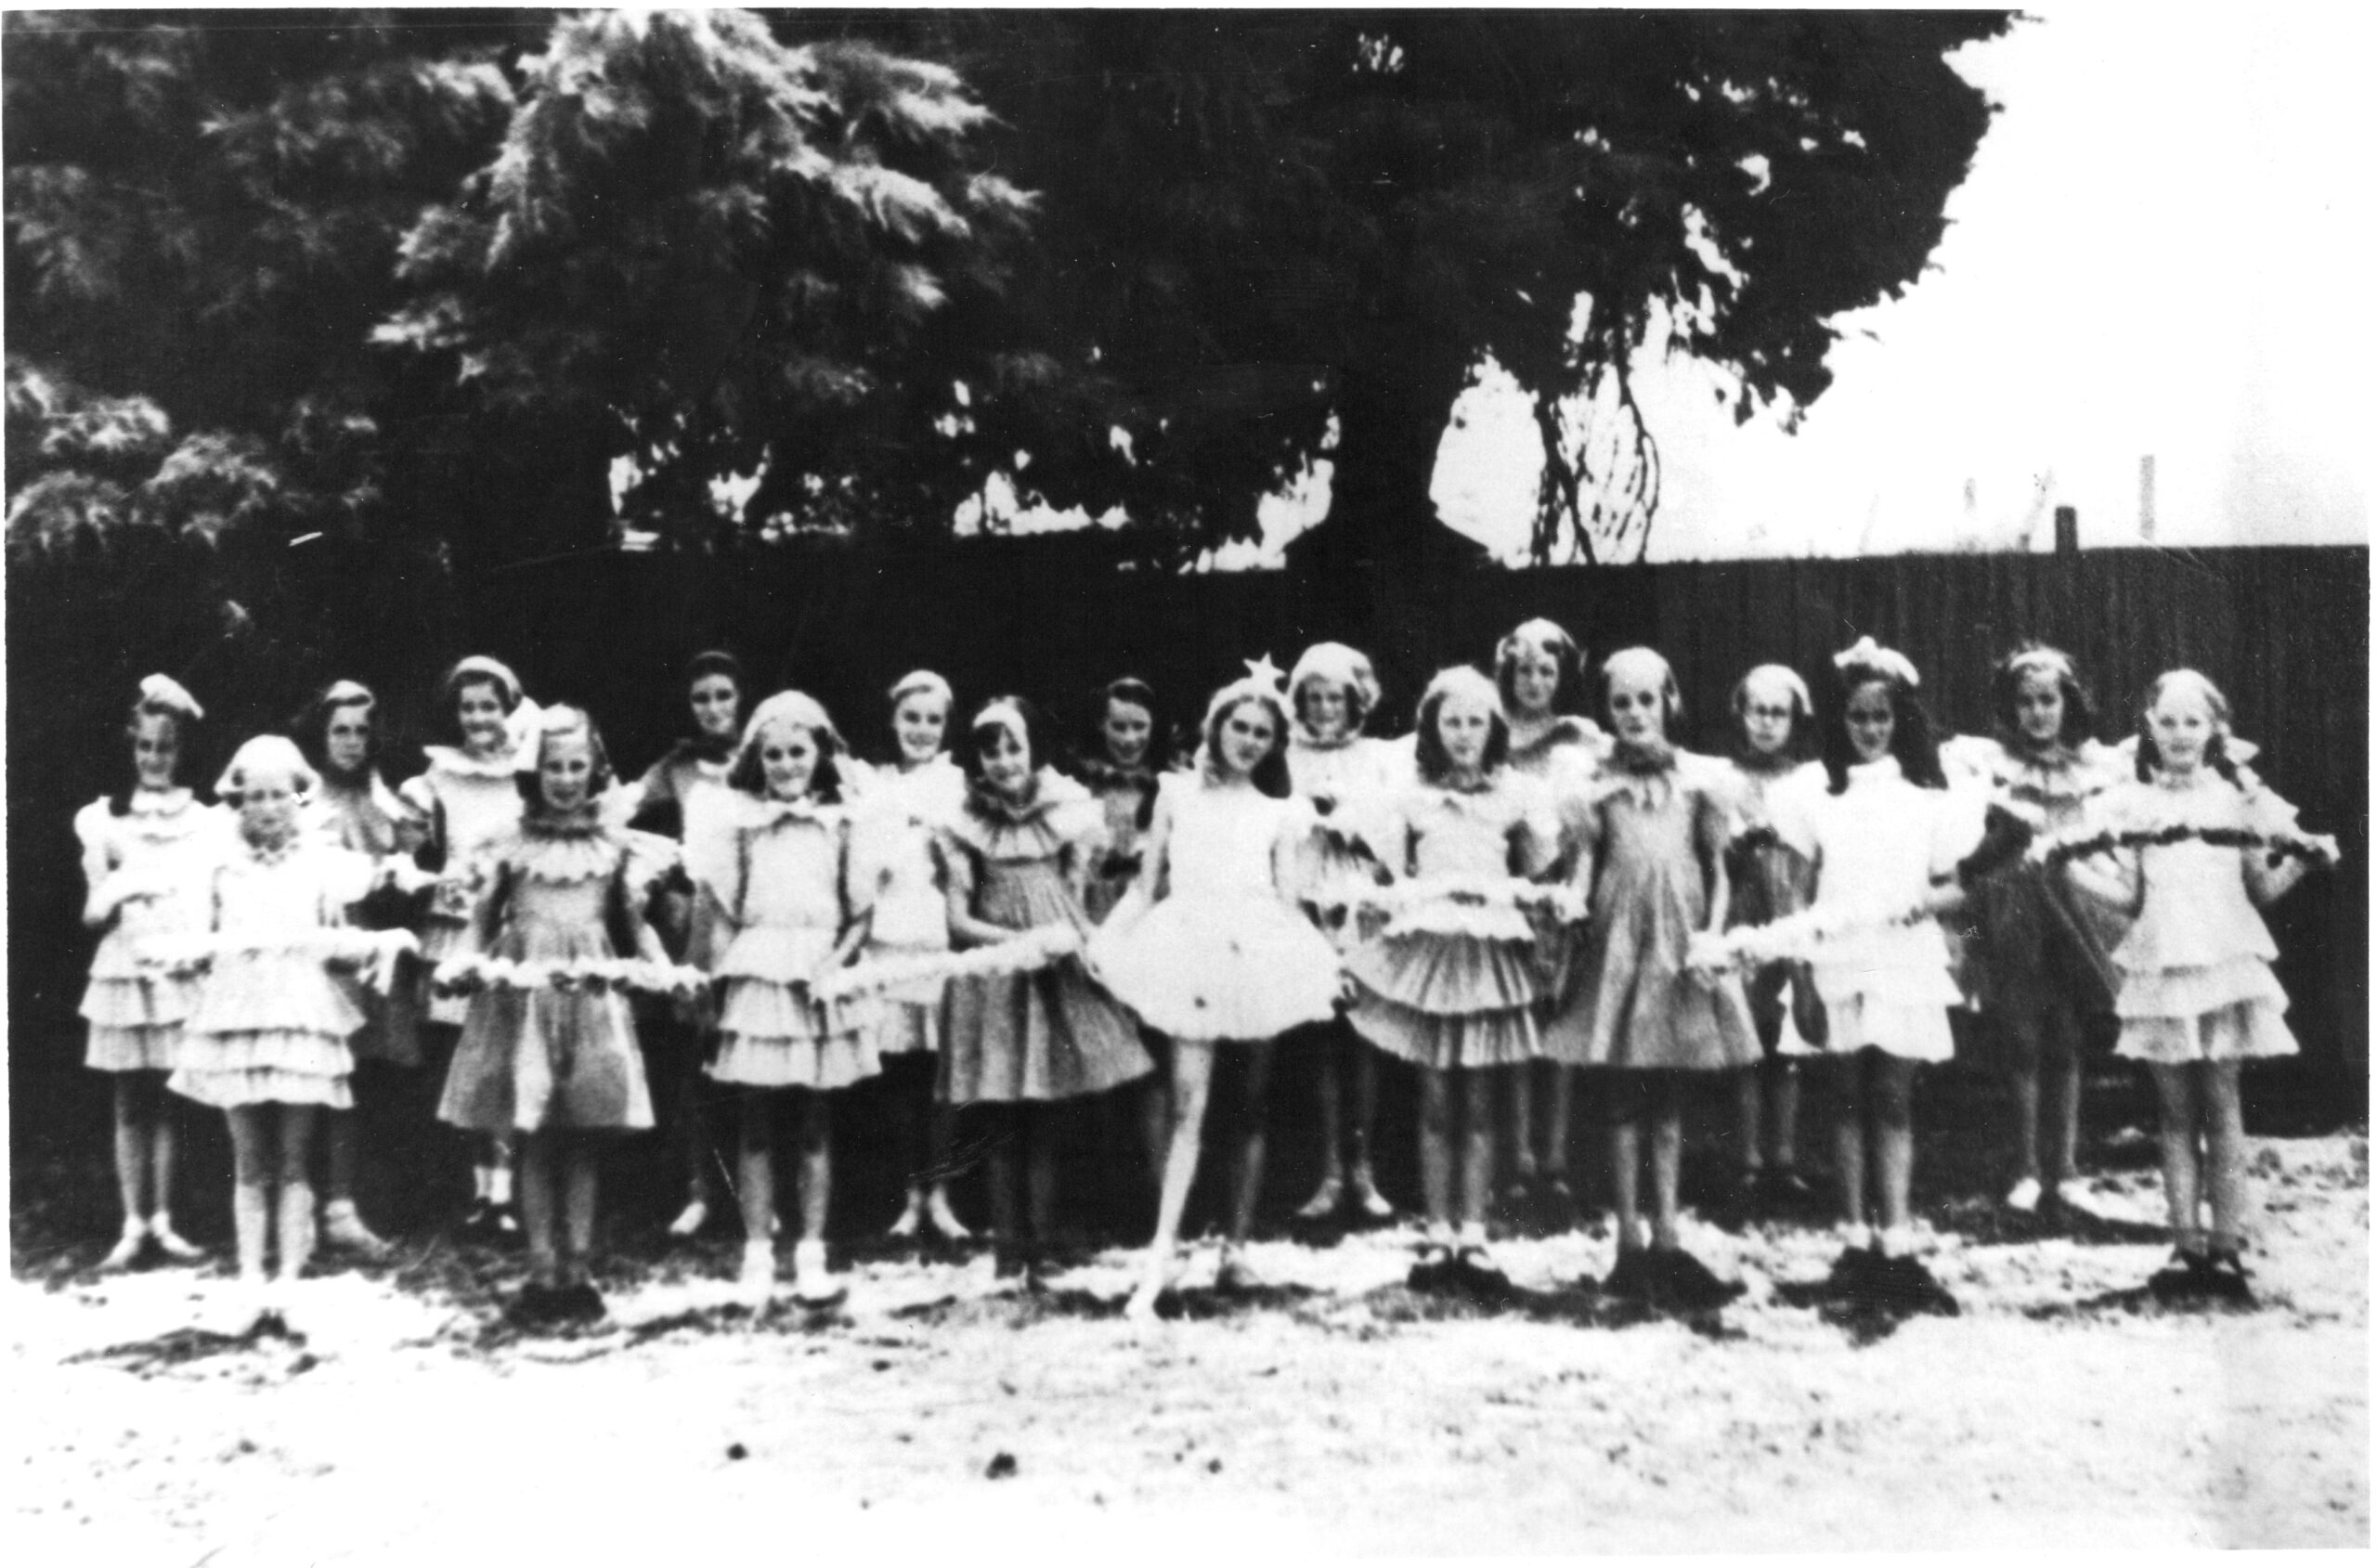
<point>1050,789</point>
<point>1098,773</point>
<point>764,811</point>
<point>584,822</point>
<point>1648,775</point>
<point>274,853</point>
<point>158,802</point>
<point>1565,729</point>
<point>455,761</point>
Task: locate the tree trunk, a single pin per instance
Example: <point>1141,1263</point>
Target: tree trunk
<point>1370,573</point>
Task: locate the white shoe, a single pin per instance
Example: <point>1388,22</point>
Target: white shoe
<point>690,1222</point>
<point>1896,1242</point>
<point>342,1228</point>
<point>811,1285</point>
<point>170,1241</point>
<point>1324,1202</point>
<point>756,1286</point>
<point>1371,1202</point>
<point>911,1220</point>
<point>128,1247</point>
<point>2024,1199</point>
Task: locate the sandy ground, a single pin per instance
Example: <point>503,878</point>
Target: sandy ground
<point>942,1407</point>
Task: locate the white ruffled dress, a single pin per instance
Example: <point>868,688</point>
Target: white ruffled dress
<point>2194,970</point>
<point>1454,982</point>
<point>787,905</point>
<point>272,1019</point>
<point>1344,784</point>
<point>470,803</point>
<point>895,847</point>
<point>1223,955</point>
<point>1878,844</point>
<point>167,840</point>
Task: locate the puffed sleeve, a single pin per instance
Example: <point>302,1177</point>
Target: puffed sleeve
<point>1960,816</point>
<point>709,855</point>
<point>1535,827</point>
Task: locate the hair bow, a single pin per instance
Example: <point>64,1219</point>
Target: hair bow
<point>1866,653</point>
<point>164,691</point>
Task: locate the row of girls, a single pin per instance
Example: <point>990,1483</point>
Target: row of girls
<point>1509,894</point>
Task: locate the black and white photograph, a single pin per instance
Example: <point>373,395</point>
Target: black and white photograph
<point>1115,784</point>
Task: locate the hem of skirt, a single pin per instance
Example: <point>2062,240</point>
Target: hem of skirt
<point>232,1089</point>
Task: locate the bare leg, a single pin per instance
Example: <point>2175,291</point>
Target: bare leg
<point>581,1171</point>
<point>1477,1173</point>
<point>133,1136</point>
<point>1667,1157</point>
<point>1324,1199</point>
<point>941,1128</point>
<point>2176,1087</point>
<point>1521,1125</point>
<point>1783,1087</point>
<point>816,1164</point>
<point>756,1163</point>
<point>1041,1169</point>
<point>2059,1066</point>
<point>1151,1101</point>
<point>539,1202</point>
<point>1192,1074</point>
<point>1435,1145</point>
<point>1253,1138</point>
<point>1892,1105</point>
<point>1626,1156</point>
<point>1848,1135</point>
<point>1552,1160</point>
<point>2026,1047</point>
<point>252,1187</point>
<point>296,1198</point>
<point>2222,1116</point>
<point>1364,1061</point>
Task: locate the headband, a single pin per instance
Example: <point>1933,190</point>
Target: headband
<point>1539,632</point>
<point>925,681</point>
<point>798,708</point>
<point>165,691</point>
<point>1461,681</point>
<point>1340,666</point>
<point>268,753</point>
<point>1866,653</point>
<point>346,693</point>
<point>478,667</point>
<point>1789,677</point>
<point>2046,661</point>
<point>715,661</point>
<point>1008,717</point>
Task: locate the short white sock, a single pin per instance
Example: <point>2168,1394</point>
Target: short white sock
<point>499,1185</point>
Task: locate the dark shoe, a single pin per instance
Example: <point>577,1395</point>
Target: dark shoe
<point>1464,1272</point>
<point>2180,1281</point>
<point>1634,1277</point>
<point>2223,1278</point>
<point>1857,1272</point>
<point>580,1303</point>
<point>1906,1285</point>
<point>1555,1205</point>
<point>537,1306</point>
<point>1685,1283</point>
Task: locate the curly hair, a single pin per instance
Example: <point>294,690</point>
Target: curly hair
<point>1912,738</point>
<point>1270,774</point>
<point>2215,751</point>
<point>2006,690</point>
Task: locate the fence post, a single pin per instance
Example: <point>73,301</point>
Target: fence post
<point>2067,530</point>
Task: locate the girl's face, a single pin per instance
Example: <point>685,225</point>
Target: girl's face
<point>1766,716</point>
<point>2182,725</point>
<point>1465,725</point>
<point>1247,733</point>
<point>156,749</point>
<point>479,708</point>
<point>788,760</point>
<point>347,740</point>
<point>1871,721</point>
<point>566,770</point>
<point>918,724</point>
<point>1637,712</point>
<point>1322,706</point>
<point>2038,707</point>
<point>1006,762</point>
<point>1535,680</point>
<point>267,807</point>
<point>717,704</point>
<point>1127,729</point>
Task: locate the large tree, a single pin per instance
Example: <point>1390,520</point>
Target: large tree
<point>1265,237</point>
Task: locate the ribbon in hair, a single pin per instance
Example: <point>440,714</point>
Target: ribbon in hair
<point>1866,653</point>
